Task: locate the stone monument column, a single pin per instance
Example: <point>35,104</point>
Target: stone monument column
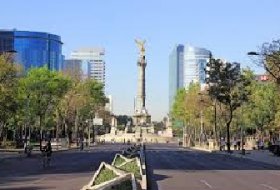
<point>141,115</point>
<point>141,94</point>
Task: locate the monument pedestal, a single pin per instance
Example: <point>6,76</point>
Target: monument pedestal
<point>141,119</point>
<point>113,130</point>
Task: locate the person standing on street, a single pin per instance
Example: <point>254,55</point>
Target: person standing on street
<point>47,153</point>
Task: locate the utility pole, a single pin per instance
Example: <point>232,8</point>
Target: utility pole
<point>201,118</point>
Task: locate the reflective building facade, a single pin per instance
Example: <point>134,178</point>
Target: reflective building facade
<point>76,68</point>
<point>195,60</point>
<point>93,59</point>
<point>176,65</point>
<point>33,49</point>
<point>186,65</point>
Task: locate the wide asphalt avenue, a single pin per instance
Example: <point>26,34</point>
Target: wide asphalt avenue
<point>69,170</point>
<point>171,167</point>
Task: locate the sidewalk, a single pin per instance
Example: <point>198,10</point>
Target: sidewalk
<point>257,155</point>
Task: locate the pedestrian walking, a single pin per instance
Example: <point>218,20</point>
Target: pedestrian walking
<point>238,144</point>
<point>81,144</point>
<point>234,143</point>
<point>46,154</point>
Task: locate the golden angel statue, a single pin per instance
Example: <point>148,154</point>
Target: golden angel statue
<point>140,44</point>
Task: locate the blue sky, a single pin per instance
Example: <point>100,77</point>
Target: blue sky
<point>228,28</point>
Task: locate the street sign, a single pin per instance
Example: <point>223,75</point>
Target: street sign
<point>97,121</point>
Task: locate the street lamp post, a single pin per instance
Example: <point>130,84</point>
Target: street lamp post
<point>201,118</point>
<point>251,53</point>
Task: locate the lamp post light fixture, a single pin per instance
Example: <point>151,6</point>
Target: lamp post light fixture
<point>253,53</point>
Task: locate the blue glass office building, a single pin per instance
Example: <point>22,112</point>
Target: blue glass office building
<point>176,74</point>
<point>195,60</point>
<point>186,65</point>
<point>33,49</point>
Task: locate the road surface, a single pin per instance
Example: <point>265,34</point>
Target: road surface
<point>171,167</point>
<point>69,169</point>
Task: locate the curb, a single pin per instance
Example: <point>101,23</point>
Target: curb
<point>249,158</point>
<point>12,150</point>
<point>144,184</point>
<point>202,149</point>
<point>63,150</point>
<point>238,155</point>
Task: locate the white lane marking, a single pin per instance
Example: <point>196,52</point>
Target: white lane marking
<point>269,187</point>
<point>275,173</point>
<point>207,184</point>
<point>38,181</point>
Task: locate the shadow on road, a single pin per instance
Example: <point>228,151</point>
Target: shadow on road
<point>153,179</point>
<point>73,162</point>
<point>175,158</point>
<point>166,161</point>
<point>25,188</point>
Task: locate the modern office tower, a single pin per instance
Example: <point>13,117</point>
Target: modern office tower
<point>186,65</point>
<point>176,65</point>
<point>33,49</point>
<point>195,60</point>
<point>94,60</point>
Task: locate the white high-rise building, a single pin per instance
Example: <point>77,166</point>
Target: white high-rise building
<point>94,58</point>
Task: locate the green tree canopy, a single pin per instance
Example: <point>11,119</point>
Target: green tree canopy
<point>8,90</point>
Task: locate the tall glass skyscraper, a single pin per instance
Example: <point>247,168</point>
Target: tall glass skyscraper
<point>186,65</point>
<point>195,60</point>
<point>33,49</point>
<point>176,74</point>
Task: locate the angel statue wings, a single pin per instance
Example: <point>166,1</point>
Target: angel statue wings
<point>140,44</point>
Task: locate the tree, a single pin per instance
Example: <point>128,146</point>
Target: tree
<point>186,108</point>
<point>270,59</point>
<point>8,91</point>
<point>262,106</point>
<point>94,99</point>
<point>43,89</point>
<point>80,105</point>
<point>229,87</point>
